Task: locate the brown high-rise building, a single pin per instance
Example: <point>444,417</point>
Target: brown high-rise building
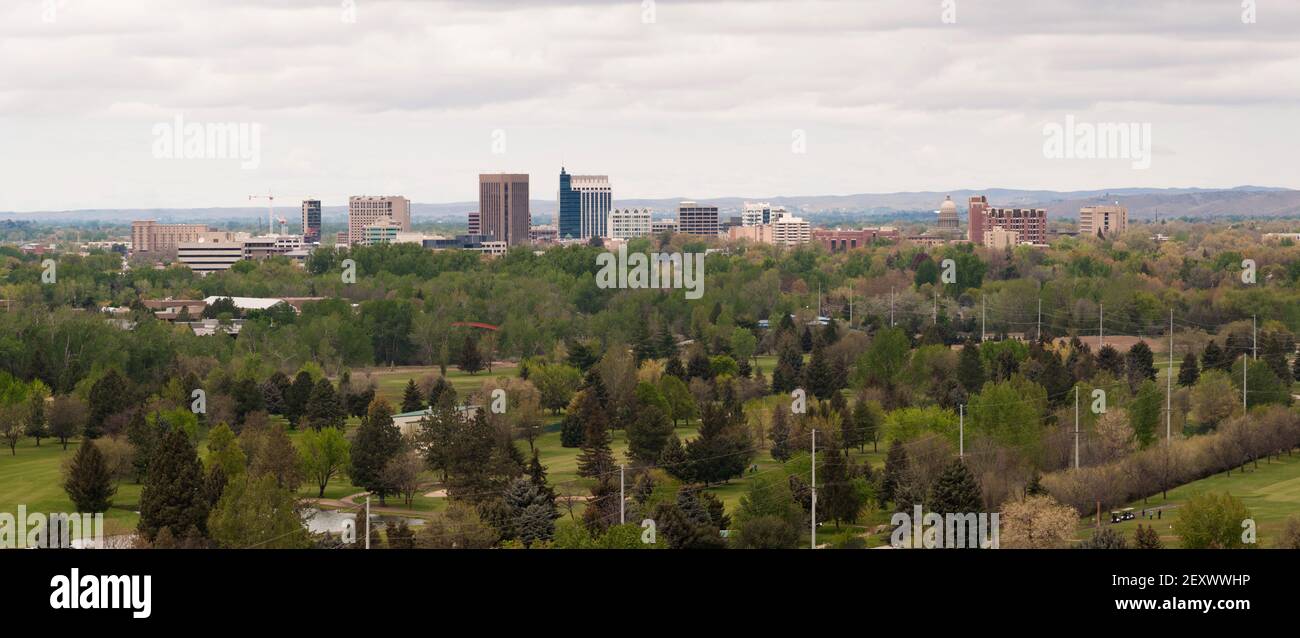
<point>148,236</point>
<point>366,210</point>
<point>977,206</point>
<point>1030,224</point>
<point>503,207</point>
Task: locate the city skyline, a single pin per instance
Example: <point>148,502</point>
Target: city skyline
<point>697,102</point>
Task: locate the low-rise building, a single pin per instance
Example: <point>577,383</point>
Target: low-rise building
<point>835,240</point>
<point>628,223</point>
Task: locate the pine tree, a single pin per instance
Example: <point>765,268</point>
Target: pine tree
<point>648,434</point>
<point>441,388</point>
<point>1109,360</point>
<point>1140,364</point>
<point>806,340</point>
<point>470,360</point>
<point>295,402</point>
<point>108,396</point>
<point>377,442</point>
<point>779,432</point>
<point>817,376</point>
<point>412,400</point>
<point>675,368</point>
<point>956,491</point>
<point>174,493</point>
<point>896,463</point>
<point>1147,538</point>
<point>1189,373</point>
<point>698,367</point>
<point>1212,358</point>
<point>863,426</point>
<point>323,408</point>
<point>837,497</point>
<point>970,369</point>
<point>88,483</point>
<point>596,460</point>
<point>666,343</point>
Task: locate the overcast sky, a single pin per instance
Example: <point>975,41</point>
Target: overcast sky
<point>689,98</point>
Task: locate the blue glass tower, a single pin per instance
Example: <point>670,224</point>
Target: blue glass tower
<point>570,208</point>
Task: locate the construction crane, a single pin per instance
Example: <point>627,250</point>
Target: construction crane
<point>270,211</point>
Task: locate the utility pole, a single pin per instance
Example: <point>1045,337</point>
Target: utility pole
<point>1245,364</point>
<point>983,316</point>
<point>367,521</point>
<point>936,307</point>
<point>1076,427</point>
<point>1040,320</point>
<point>891,307</point>
<point>622,500</point>
<point>850,309</point>
<point>961,431</point>
<point>814,488</point>
<point>1169,383</point>
<point>1254,339</point>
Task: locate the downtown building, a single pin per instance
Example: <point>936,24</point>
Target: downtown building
<point>1029,224</point>
<point>148,236</point>
<point>628,223</point>
<point>311,221</point>
<point>787,230</point>
<point>697,219</point>
<point>839,239</point>
<point>366,210</point>
<point>760,213</point>
<point>1103,220</point>
<point>584,202</point>
<point>503,207</point>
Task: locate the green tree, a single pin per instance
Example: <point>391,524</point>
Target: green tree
<point>324,408</point>
<point>224,451</point>
<point>324,454</point>
<point>377,441</point>
<point>956,491</point>
<point>1144,413</point>
<point>885,358</point>
<point>1189,372</point>
<point>1212,520</point>
<point>970,367</point>
<point>648,434</point>
<point>173,497</point>
<point>255,513</point>
<point>412,399</point>
<point>88,482</point>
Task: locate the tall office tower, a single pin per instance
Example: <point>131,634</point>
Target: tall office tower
<point>311,221</point>
<point>1030,224</point>
<point>569,207</point>
<point>148,236</point>
<point>1103,220</point>
<point>948,215</point>
<point>791,231</point>
<point>475,222</point>
<point>977,206</point>
<point>584,203</point>
<point>366,210</point>
<point>503,207</point>
<point>697,219</point>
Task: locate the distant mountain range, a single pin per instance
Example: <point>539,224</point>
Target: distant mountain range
<point>1142,203</point>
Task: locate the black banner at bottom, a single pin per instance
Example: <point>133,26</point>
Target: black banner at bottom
<point>170,590</point>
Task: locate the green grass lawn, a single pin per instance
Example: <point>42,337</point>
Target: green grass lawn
<point>391,382</point>
<point>1272,492</point>
<point>34,478</point>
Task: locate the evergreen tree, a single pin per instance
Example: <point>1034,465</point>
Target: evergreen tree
<point>970,369</point>
<point>441,388</point>
<point>1140,364</point>
<point>698,367</point>
<point>818,377</point>
<point>1147,538</point>
<point>108,396</point>
<point>666,343</point>
<point>675,368</point>
<point>174,493</point>
<point>470,359</point>
<point>1109,360</point>
<point>863,427</point>
<point>896,463</point>
<point>956,491</point>
<point>323,407</point>
<point>806,340</point>
<point>412,400</point>
<point>1189,373</point>
<point>530,512</point>
<point>1213,358</point>
<point>837,498</point>
<point>673,459</point>
<point>779,432</point>
<point>376,443</point>
<point>642,347</point>
<point>295,402</point>
<point>595,460</point>
<point>648,434</point>
<point>88,483</point>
